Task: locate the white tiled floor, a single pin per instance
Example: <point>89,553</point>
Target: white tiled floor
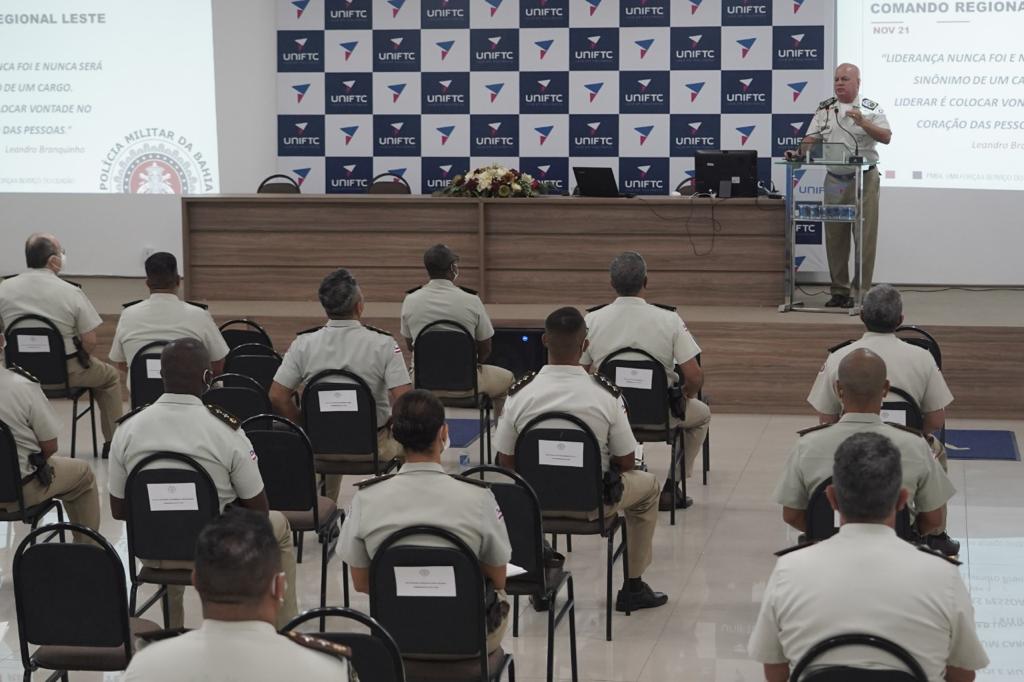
<point>713,564</point>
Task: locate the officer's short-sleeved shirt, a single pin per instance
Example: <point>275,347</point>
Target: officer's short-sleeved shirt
<point>38,291</point>
<point>812,458</point>
<point>908,367</point>
<point>233,651</point>
<point>825,125</point>
<point>866,579</point>
<point>27,413</point>
<point>346,344</point>
<point>422,493</point>
<point>441,299</point>
<point>632,322</point>
<point>164,317</point>
<point>568,389</point>
<point>182,423</point>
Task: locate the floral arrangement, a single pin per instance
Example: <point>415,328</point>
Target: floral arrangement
<point>494,181</point>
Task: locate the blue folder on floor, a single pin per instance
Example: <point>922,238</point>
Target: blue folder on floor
<point>981,444</point>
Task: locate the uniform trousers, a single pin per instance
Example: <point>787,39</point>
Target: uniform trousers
<point>105,381</point>
<point>695,432</point>
<point>74,485</point>
<point>490,380</point>
<point>839,190</point>
<point>387,447</point>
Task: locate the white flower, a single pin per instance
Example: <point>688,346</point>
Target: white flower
<point>516,187</point>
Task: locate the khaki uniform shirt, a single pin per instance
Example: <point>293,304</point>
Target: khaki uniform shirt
<point>38,291</point>
<point>441,299</point>
<point>183,424</point>
<point>164,317</point>
<point>245,651</point>
<point>811,462</point>
<point>27,413</point>
<point>568,389</point>
<point>825,126</point>
<point>348,345</point>
<point>422,493</point>
<point>866,579</point>
<point>632,322</point>
<point>908,367</point>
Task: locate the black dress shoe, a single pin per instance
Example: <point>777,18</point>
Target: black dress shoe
<point>837,301</point>
<point>106,450</point>
<point>665,501</point>
<point>945,544</point>
<point>847,302</point>
<point>646,598</point>
<point>540,604</point>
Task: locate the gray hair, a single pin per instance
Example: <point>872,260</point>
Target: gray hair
<point>628,271</point>
<point>867,476</point>
<point>339,294</point>
<point>882,310</point>
<point>39,248</point>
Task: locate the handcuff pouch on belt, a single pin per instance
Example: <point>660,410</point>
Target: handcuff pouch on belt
<point>80,354</point>
<point>42,471</point>
<point>613,487</point>
<point>495,608</point>
<point>675,401</point>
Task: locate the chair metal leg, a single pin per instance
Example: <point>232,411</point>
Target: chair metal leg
<point>625,563</point>
<point>60,519</point>
<point>551,638</point>
<point>568,543</point>
<point>707,456</point>
<point>92,419</point>
<point>608,591</point>
<point>572,631</point>
<point>298,546</point>
<point>324,558</point>
<point>512,670</point>
<point>74,427</point>
<point>344,582</point>
<point>133,599</point>
<point>673,461</point>
<point>554,541</point>
<point>515,615</point>
<point>165,605</point>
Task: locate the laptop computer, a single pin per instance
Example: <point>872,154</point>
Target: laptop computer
<point>596,182</point>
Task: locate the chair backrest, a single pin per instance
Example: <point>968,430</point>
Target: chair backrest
<point>237,394</point>
<point>279,183</point>
<point>444,357</point>
<point>167,507</point>
<point>36,345</point>
<point>286,463</point>
<point>10,468</point>
<point>144,380</point>
<point>431,599</point>
<point>643,383</point>
<point>237,332</point>
<point>70,594</point>
<point>253,360</point>
<point>339,414</point>
<point>849,674</point>
<point>901,408</point>
<point>823,520</point>
<point>562,463</point>
<point>919,337</point>
<point>375,655</point>
<point>388,183</point>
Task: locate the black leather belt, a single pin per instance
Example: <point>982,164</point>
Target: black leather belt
<point>844,176</point>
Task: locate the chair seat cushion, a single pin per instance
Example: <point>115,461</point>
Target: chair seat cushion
<point>522,585</point>
<point>166,576</point>
<point>652,434</point>
<point>90,657</point>
<point>576,526</point>
<point>11,513</point>
<point>56,391</point>
<point>345,464</point>
<point>461,670</point>
<point>303,520</point>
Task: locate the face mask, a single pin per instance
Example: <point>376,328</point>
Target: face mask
<point>447,443</point>
<point>455,272</point>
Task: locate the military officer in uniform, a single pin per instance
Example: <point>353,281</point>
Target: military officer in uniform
<point>179,422</point>
<point>860,124</point>
<point>422,493</point>
<point>345,343</point>
<point>862,386</point>
<point>564,386</point>
<point>866,579</point>
<point>239,579</point>
<point>631,322</point>
<point>28,416</point>
<point>38,291</point>
<point>441,299</point>
<point>163,316</point>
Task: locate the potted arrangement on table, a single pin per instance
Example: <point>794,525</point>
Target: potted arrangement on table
<point>494,181</point>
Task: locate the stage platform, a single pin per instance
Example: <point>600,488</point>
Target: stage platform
<point>756,359</point>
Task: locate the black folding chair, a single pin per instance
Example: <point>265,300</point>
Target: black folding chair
<point>440,637</point>
<point>375,656</point>
<point>525,525</point>
<point>242,331</point>
<point>916,336</point>
<point>71,605</point>
<point>902,408</point>
<point>36,345</point>
<point>576,490</point>
<point>388,183</point>
<point>286,463</point>
<point>851,674</point>
<point>445,359</point>
<point>10,487</point>
<point>278,184</point>
<point>238,395</point>
<point>644,387</point>
<point>144,379</point>
<point>706,449</point>
<point>253,360</point>
<point>823,520</point>
<point>168,533</point>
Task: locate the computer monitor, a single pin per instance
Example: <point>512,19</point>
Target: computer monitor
<point>520,350</point>
<point>595,182</point>
<point>726,173</point>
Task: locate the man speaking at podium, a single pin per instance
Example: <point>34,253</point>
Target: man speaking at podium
<point>859,124</point>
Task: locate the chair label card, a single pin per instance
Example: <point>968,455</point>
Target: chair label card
<point>33,344</point>
<point>152,368</point>
<point>172,497</point>
<point>633,377</point>
<point>560,453</point>
<point>894,416</point>
<point>338,401</point>
<point>425,581</point>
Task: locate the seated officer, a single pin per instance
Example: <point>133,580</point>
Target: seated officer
<point>631,322</point>
<point>239,579</point>
<point>865,579</point>
<point>163,316</point>
<point>38,291</point>
<point>440,299</point>
<point>27,414</point>
<point>862,386</point>
<point>564,386</point>
<point>422,493</point>
<point>179,422</point>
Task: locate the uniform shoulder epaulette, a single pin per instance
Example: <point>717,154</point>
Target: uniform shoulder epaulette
<point>607,385</point>
<point>596,308</point>
<point>904,427</point>
<point>936,553</point>
<point>518,385</point>
<point>664,306</point>
<point>812,429</point>
<point>789,550</point>
<point>377,329</point>
<point>414,289</point>
<point>468,290</point>
<point>868,104</point>
<point>128,415</point>
<point>23,373</point>
<point>339,651</point>
<point>367,482</point>
<point>225,416</point>
<point>836,347</point>
<point>826,103</point>
<point>198,304</point>
<point>74,284</point>
<point>129,304</point>
<point>308,331</point>
<point>471,481</point>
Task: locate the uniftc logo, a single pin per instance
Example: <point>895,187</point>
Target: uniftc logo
<point>745,46</point>
<point>695,89</point>
<point>797,89</point>
<point>693,132</point>
<point>300,7</point>
<point>300,51</point>
<point>300,91</point>
<point>446,47</point>
<point>696,47</point>
<point>593,89</point>
<point>494,89</point>
<point>745,92</point>
<point>798,47</point>
<point>745,133</point>
<point>544,46</point>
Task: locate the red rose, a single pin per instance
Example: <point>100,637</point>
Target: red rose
<point>534,185</point>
